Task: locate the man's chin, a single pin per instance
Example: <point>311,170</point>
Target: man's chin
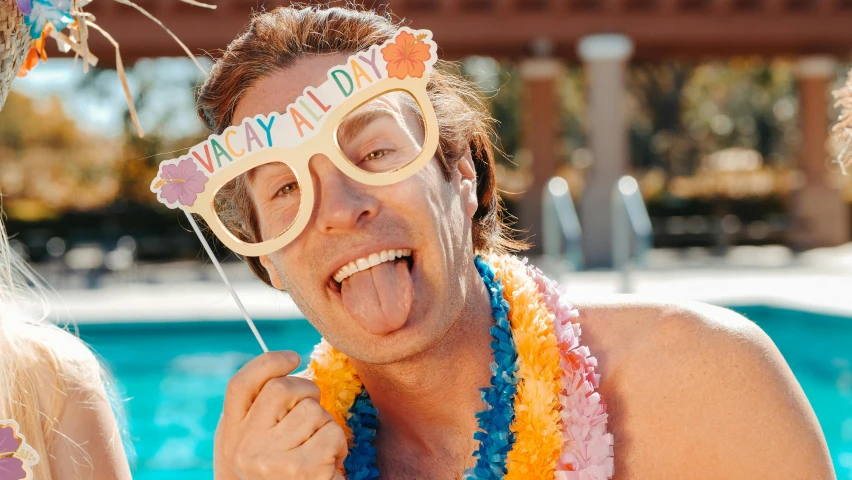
<point>399,345</point>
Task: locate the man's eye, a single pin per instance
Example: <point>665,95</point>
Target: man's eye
<point>378,154</point>
<point>287,189</point>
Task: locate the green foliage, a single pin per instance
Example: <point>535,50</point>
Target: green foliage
<point>49,165</point>
<point>683,112</point>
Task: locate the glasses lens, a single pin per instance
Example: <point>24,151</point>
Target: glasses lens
<point>384,134</point>
<point>260,204</point>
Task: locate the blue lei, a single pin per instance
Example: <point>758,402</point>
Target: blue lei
<point>494,436</point>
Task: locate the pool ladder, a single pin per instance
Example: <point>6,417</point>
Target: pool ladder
<point>630,221</point>
<point>557,203</point>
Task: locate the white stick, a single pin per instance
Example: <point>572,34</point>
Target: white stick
<point>225,279</point>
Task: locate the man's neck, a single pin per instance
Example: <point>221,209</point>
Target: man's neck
<point>428,400</point>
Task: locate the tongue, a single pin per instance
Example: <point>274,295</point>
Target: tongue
<point>379,298</point>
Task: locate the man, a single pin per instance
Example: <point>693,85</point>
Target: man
<point>386,273</point>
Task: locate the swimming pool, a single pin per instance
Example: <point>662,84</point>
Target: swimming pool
<point>173,377</point>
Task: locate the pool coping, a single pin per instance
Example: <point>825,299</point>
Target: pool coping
<point>827,292</point>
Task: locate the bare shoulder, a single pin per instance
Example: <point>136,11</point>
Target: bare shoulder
<point>698,391</point>
<point>88,442</point>
<point>71,365</point>
<point>70,348</point>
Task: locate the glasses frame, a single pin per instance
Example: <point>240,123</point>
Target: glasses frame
<point>324,142</point>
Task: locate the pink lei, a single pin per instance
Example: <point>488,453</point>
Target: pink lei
<point>587,452</point>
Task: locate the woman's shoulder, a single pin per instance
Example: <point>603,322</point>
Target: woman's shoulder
<point>89,444</point>
<point>58,363</point>
<point>56,345</point>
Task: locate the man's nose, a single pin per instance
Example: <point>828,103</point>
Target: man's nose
<point>341,203</point>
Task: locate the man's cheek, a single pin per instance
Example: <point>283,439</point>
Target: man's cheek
<point>290,281</point>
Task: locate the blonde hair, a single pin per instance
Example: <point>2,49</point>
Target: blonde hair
<point>41,364</point>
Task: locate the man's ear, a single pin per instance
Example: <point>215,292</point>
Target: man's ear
<point>468,184</point>
<point>271,271</point>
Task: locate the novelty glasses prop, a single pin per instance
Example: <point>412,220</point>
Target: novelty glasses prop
<point>252,183</point>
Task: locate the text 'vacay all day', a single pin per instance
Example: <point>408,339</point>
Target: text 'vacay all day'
<point>300,120</point>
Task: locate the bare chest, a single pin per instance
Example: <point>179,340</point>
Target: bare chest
<point>396,462</point>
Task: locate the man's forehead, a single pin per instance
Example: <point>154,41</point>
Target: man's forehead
<point>274,92</point>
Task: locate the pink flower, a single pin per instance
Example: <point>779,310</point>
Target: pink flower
<point>182,182</point>
<point>11,468</point>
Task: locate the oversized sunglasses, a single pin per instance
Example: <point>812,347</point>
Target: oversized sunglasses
<point>371,118</point>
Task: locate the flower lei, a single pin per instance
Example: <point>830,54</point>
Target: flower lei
<point>556,426</point>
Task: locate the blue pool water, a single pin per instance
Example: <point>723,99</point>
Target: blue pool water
<point>173,377</point>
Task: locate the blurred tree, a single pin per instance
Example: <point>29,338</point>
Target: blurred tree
<point>162,92</point>
<point>48,165</point>
<point>657,136</point>
<point>58,179</point>
<point>684,112</point>
<point>745,102</point>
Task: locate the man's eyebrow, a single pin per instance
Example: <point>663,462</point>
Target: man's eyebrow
<point>359,119</point>
<point>252,174</point>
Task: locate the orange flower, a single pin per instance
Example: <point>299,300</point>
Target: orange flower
<point>407,57</point>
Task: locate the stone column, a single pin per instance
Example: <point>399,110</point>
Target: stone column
<point>821,216</point>
<point>539,138</point>
<point>605,58</point>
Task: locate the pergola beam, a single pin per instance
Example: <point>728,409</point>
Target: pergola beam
<point>664,32</point>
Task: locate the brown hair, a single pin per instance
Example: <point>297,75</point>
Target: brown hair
<point>275,40</point>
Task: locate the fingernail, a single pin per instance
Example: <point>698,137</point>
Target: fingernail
<point>293,356</point>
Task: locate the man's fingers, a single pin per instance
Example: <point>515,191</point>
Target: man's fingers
<point>328,443</point>
<point>338,476</point>
<point>302,421</point>
<point>277,398</point>
<point>247,383</point>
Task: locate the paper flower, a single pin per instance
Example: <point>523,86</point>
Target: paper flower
<point>182,182</point>
<point>407,56</point>
<point>587,452</point>
<point>37,52</point>
<point>538,442</point>
<point>494,435</point>
<point>25,6</point>
<point>11,468</point>
<point>37,13</point>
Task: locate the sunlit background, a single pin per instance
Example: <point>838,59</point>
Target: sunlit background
<point>672,148</point>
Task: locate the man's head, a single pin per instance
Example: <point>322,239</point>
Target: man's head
<point>442,215</point>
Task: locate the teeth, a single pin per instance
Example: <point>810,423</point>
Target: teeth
<point>374,259</point>
<point>370,261</point>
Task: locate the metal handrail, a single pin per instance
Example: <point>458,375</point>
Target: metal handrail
<point>630,221</point>
<point>565,231</point>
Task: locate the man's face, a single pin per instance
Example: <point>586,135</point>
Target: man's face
<point>399,307</point>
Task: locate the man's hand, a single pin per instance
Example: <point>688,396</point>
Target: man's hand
<point>273,426</point>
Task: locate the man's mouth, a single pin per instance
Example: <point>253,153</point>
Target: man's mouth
<point>370,261</point>
<point>377,290</point>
